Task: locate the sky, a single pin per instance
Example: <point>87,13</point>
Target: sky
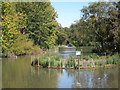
<point>68,12</point>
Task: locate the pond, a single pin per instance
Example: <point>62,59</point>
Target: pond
<point>18,73</point>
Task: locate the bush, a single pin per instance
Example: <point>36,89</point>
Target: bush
<point>24,46</point>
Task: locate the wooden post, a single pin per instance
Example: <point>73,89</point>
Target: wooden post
<point>31,60</point>
<point>78,62</point>
<point>38,61</point>
<point>75,63</point>
<point>81,54</point>
<point>79,77</point>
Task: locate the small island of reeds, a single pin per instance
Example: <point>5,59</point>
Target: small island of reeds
<point>86,62</point>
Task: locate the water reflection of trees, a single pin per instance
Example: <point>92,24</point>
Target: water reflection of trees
<point>19,74</point>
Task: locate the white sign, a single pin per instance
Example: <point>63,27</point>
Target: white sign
<point>78,53</point>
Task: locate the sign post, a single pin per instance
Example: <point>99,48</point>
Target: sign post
<point>78,53</point>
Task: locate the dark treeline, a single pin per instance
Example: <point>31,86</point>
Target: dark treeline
<point>29,27</point>
<point>99,27</point>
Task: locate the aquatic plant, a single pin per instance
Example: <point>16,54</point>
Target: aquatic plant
<point>109,61</point>
<point>45,63</point>
<point>100,63</point>
<point>70,63</point>
<point>85,57</point>
<point>57,58</point>
<point>90,64</point>
<point>52,62</point>
<point>58,65</point>
<point>96,63</point>
<point>115,59</point>
<point>61,63</point>
<point>81,65</point>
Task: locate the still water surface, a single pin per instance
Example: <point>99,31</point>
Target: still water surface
<point>18,73</point>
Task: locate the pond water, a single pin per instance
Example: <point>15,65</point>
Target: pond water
<point>18,73</point>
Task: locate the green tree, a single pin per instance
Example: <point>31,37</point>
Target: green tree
<point>12,22</point>
<point>41,24</point>
<point>103,22</point>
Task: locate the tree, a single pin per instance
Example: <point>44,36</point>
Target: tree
<point>12,22</point>
<point>41,24</point>
<point>102,21</point>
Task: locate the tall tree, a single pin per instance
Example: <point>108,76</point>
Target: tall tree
<point>12,22</point>
<point>41,23</point>
<point>101,17</point>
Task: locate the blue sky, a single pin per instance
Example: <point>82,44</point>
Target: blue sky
<point>68,12</point>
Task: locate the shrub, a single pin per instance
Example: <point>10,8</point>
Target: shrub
<point>24,46</point>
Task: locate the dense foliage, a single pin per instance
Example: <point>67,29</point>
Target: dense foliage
<point>98,27</point>
<point>27,27</point>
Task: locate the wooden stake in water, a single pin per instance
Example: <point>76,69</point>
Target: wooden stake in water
<point>78,62</point>
<point>38,61</point>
